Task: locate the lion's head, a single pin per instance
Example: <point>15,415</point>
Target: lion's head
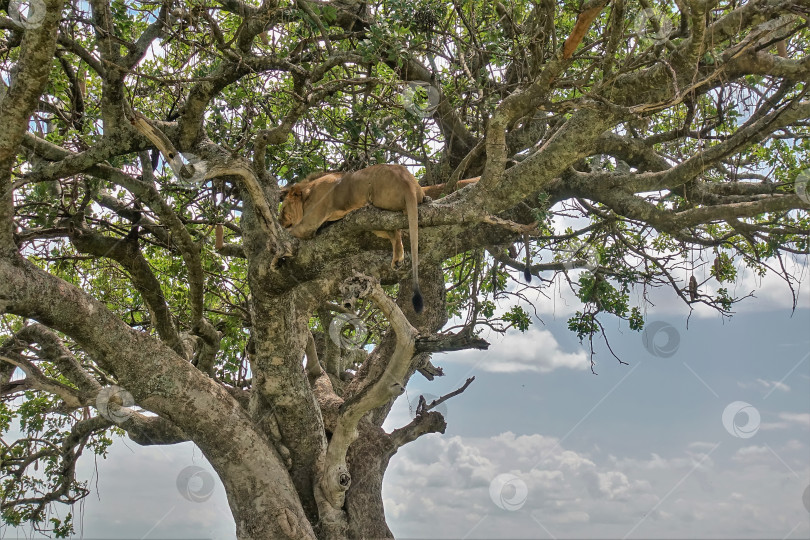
<point>292,207</point>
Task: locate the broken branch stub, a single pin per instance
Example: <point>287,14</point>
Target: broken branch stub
<point>352,288</point>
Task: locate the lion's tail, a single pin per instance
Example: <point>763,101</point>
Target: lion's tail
<point>413,233</point>
<point>527,273</point>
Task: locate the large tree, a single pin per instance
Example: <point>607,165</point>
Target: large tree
<point>622,138</point>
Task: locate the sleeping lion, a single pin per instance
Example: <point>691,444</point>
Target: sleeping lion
<point>329,196</point>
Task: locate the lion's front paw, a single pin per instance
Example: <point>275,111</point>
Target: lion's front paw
<point>396,264</point>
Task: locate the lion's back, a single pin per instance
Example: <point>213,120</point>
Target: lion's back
<point>391,185</point>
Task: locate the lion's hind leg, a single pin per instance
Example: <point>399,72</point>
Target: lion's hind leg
<point>396,246</point>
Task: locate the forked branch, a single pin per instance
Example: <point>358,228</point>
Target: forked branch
<point>335,479</point>
<point>425,421</point>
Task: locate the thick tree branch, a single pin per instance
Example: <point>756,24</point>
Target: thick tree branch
<point>54,350</point>
<point>152,430</point>
<point>36,380</point>
<point>143,365</point>
<point>18,103</point>
<point>335,479</point>
<point>522,102</point>
<point>429,422</point>
<point>127,253</point>
<point>451,342</point>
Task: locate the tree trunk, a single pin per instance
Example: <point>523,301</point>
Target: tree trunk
<point>370,454</point>
<point>368,460</point>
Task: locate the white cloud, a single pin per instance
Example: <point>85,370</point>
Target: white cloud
<point>584,495</point>
<point>560,301</point>
<point>613,484</point>
<point>751,454</point>
<point>776,385</point>
<point>802,419</point>
<point>701,445</point>
<point>535,350</point>
<point>136,494</point>
<point>771,292</point>
<point>767,385</point>
<point>789,421</point>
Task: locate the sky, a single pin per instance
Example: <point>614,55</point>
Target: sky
<point>705,433</point>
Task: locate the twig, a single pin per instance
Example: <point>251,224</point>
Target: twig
<point>423,407</point>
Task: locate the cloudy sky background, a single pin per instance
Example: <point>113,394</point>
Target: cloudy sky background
<point>539,447</point>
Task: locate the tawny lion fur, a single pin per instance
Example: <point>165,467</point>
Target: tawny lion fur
<point>330,196</point>
<point>437,191</point>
